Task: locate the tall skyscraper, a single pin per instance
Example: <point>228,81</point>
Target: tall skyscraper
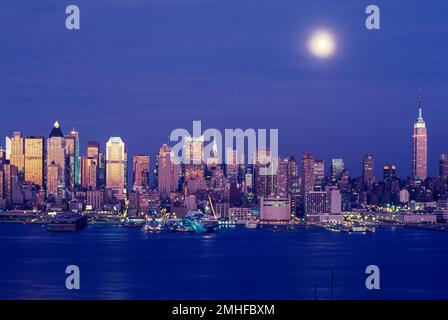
<point>116,167</point>
<point>264,172</point>
<point>73,160</point>
<point>307,173</point>
<point>368,170</point>
<point>232,164</point>
<point>56,156</point>
<point>90,167</point>
<point>194,156</point>
<point>337,165</point>
<point>101,171</point>
<point>167,171</point>
<point>420,147</point>
<point>53,180</point>
<point>140,166</point>
<point>443,166</point>
<point>35,160</point>
<point>17,158</point>
<point>319,174</point>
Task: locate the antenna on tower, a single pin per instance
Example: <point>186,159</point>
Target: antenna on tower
<point>420,105</point>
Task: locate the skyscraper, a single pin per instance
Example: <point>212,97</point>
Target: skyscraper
<point>140,166</point>
<point>116,167</point>
<point>307,173</point>
<point>368,169</point>
<point>52,180</point>
<point>93,150</point>
<point>319,174</point>
<point>167,171</point>
<point>264,172</point>
<point>420,147</point>
<point>56,156</point>
<point>90,167</point>
<point>34,160</point>
<point>73,160</point>
<point>18,151</point>
<point>193,151</point>
<point>232,164</point>
<point>337,165</point>
<point>443,166</point>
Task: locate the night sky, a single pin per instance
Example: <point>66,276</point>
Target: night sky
<point>140,68</point>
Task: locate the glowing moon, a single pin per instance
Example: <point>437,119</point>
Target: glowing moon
<point>322,44</point>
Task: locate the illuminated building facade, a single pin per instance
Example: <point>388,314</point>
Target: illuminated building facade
<point>34,160</point>
<point>116,167</point>
<point>420,147</point>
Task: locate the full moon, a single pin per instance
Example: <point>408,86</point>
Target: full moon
<point>322,44</point>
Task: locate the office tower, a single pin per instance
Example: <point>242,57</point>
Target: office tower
<point>140,166</point>
<point>232,164</point>
<point>56,156</point>
<point>264,172</point>
<point>319,174</point>
<point>337,165</point>
<point>17,151</point>
<point>275,209</point>
<point>334,200</point>
<point>2,186</point>
<point>292,173</point>
<point>443,166</point>
<point>101,171</point>
<point>94,199</point>
<point>89,170</point>
<point>52,180</point>
<point>307,173</point>
<point>35,160</point>
<point>420,147</point>
<point>90,167</point>
<point>2,155</point>
<point>213,160</point>
<point>7,152</point>
<point>155,181</point>
<point>7,186</point>
<point>168,172</point>
<point>116,167</point>
<point>249,177</point>
<point>315,202</point>
<point>389,172</point>
<point>73,160</point>
<point>93,150</point>
<point>281,188</point>
<point>368,170</point>
<point>193,152</point>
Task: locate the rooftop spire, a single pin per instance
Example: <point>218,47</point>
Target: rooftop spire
<point>420,110</point>
<point>420,105</point>
<point>56,131</point>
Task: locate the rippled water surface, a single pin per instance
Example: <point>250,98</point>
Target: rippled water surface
<point>238,263</point>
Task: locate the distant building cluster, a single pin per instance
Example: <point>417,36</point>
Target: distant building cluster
<point>52,174</point>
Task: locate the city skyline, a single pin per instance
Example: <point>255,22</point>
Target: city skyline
<point>84,147</point>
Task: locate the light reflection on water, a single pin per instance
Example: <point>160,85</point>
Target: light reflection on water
<point>128,263</point>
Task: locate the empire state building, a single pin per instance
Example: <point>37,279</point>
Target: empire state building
<point>420,147</point>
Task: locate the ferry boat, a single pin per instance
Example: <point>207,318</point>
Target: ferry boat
<point>358,229</point>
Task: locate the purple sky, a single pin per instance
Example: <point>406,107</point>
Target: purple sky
<point>140,68</point>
